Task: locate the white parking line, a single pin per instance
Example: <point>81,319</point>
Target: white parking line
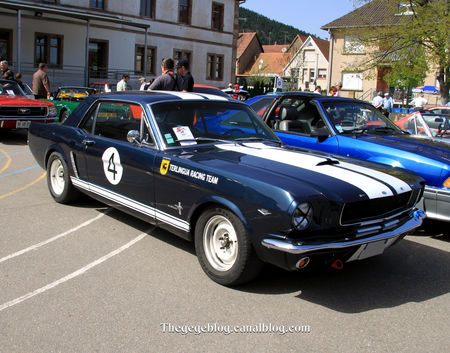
<point>73,274</point>
<point>45,242</point>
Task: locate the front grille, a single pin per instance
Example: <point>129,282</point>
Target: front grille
<point>23,112</point>
<point>359,211</point>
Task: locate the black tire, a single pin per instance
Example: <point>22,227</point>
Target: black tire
<point>224,249</point>
<point>64,115</point>
<point>58,180</point>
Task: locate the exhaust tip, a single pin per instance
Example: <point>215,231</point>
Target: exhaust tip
<point>337,264</point>
<point>302,263</point>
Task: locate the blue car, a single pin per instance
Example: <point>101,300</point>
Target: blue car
<point>356,129</point>
<point>206,168</point>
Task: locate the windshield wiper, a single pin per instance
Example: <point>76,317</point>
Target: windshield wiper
<point>355,130</point>
<point>205,139</point>
<point>252,138</point>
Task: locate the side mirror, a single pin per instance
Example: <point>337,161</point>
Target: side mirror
<point>438,120</point>
<point>321,133</point>
<point>133,136</point>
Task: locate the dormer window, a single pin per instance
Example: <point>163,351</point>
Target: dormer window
<point>404,8</point>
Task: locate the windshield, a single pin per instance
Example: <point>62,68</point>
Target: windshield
<point>354,117</point>
<point>8,88</point>
<point>187,123</point>
<point>74,93</point>
<point>439,124</point>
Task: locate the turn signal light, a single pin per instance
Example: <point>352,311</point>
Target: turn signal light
<point>447,183</point>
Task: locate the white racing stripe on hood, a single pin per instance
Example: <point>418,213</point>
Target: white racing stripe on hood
<point>399,185</point>
<point>372,188</point>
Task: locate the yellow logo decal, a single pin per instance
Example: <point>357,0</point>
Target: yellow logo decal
<point>164,166</point>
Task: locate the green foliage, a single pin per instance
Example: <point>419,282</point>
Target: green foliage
<point>409,72</point>
<point>269,31</point>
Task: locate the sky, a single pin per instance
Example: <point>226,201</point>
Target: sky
<point>306,15</point>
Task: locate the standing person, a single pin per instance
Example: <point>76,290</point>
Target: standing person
<point>338,89</point>
<point>19,81</point>
<point>7,74</point>
<point>388,103</point>
<point>143,85</point>
<point>333,91</point>
<point>182,68</point>
<point>122,84</point>
<point>41,83</point>
<point>419,102</point>
<point>168,80</point>
<point>377,101</point>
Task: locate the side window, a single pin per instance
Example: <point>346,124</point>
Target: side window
<point>114,120</point>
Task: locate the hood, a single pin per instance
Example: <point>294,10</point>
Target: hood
<point>427,147</point>
<point>306,174</point>
<point>22,101</point>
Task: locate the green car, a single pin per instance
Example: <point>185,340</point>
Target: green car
<point>67,99</point>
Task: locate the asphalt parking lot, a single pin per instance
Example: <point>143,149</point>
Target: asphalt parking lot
<point>86,277</point>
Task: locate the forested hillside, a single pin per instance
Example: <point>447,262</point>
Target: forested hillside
<point>269,31</point>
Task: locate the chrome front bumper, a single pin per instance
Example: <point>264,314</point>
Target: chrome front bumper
<point>294,246</point>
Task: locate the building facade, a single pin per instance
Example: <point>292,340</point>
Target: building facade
<point>84,41</point>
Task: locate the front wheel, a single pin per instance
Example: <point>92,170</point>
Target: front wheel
<point>58,179</point>
<point>224,249</point>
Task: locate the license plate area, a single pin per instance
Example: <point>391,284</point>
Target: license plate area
<point>23,124</point>
<point>372,249</point>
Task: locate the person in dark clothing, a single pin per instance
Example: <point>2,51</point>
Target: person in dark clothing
<point>19,81</point>
<point>168,80</point>
<point>182,68</point>
<point>7,74</point>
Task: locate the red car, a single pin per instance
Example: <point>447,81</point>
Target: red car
<point>17,111</point>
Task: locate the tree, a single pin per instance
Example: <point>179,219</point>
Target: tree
<point>417,38</point>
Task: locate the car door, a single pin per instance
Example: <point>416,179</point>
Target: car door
<point>118,170</point>
<point>296,120</point>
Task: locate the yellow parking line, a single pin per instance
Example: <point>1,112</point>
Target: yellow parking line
<point>8,161</point>
<point>23,187</point>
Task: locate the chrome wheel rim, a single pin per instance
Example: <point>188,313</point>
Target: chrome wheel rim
<point>57,177</point>
<point>220,243</point>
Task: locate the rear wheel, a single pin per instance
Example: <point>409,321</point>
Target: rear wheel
<point>58,179</point>
<point>224,249</point>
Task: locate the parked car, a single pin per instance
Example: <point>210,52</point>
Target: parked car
<point>209,90</point>
<point>208,170</point>
<point>17,110</point>
<point>67,98</point>
<point>104,87</point>
<point>427,124</point>
<point>356,129</point>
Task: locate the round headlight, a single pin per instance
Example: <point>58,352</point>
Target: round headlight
<point>301,219</point>
<point>52,111</point>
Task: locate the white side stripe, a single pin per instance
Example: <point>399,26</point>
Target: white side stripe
<point>373,188</point>
<point>132,204</point>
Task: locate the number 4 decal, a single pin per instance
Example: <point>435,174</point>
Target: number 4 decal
<point>111,165</point>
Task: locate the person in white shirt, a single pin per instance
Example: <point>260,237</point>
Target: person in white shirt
<point>122,84</point>
<point>144,83</point>
<point>419,102</point>
<point>377,101</point>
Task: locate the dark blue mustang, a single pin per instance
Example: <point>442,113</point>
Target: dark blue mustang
<point>207,169</point>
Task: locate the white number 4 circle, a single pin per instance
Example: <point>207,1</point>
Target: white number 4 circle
<point>111,165</point>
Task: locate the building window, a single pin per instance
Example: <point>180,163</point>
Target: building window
<point>139,60</point>
<point>305,75</point>
<point>48,49</point>
<point>98,58</point>
<point>309,55</point>
<point>352,81</point>
<point>5,44</point>
<point>214,67</point>
<point>98,4</point>
<point>184,12</point>
<point>148,8</point>
<point>217,16</point>
<point>322,73</point>
<point>295,72</point>
<point>181,54</point>
<point>352,45</point>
